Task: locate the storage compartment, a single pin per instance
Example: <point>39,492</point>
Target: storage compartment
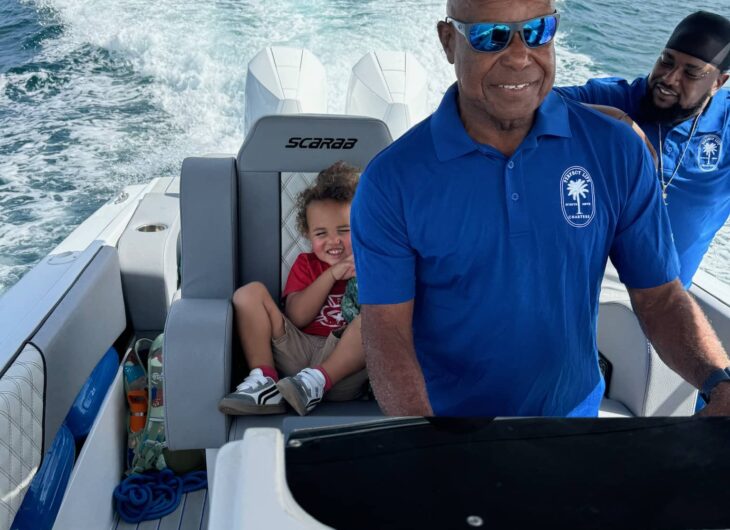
<point>88,502</point>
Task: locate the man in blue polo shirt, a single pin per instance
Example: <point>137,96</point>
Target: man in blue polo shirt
<point>480,239</point>
<point>686,116</point>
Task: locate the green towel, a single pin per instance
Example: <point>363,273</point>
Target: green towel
<point>350,306</point>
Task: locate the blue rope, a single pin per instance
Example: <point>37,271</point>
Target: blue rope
<point>154,495</point>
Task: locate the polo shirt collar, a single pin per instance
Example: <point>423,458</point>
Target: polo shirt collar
<point>452,141</point>
<point>713,118</point>
<point>449,136</point>
<point>551,119</point>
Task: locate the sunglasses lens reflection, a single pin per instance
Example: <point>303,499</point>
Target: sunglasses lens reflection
<point>493,37</point>
<point>489,37</point>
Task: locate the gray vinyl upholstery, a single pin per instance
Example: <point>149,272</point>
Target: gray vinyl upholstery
<point>198,345</point>
<point>208,230</point>
<point>21,429</point>
<point>236,228</point>
<point>324,415</point>
<point>264,164</point>
<point>640,381</point>
<point>197,349</point>
<point>93,309</point>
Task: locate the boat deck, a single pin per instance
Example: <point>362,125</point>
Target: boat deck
<point>192,514</point>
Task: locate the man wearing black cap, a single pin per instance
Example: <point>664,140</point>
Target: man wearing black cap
<point>686,116</point>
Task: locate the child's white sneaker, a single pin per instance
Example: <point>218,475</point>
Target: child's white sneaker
<point>304,390</point>
<point>257,394</point>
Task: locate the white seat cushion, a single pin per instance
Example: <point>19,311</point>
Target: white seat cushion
<point>610,408</point>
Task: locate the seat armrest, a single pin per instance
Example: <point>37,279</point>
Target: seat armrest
<point>196,369</point>
<point>208,227</point>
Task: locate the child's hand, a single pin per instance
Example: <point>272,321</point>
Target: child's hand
<point>344,270</point>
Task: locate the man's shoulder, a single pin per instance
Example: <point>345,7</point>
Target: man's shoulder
<point>612,91</point>
<point>616,83</point>
<point>594,123</point>
<point>592,131</point>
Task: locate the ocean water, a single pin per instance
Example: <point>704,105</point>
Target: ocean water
<point>98,95</point>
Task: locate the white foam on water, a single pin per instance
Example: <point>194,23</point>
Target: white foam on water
<point>195,55</point>
<point>184,65</point>
<point>144,84</point>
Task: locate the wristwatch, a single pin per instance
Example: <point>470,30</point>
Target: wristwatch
<point>716,377</point>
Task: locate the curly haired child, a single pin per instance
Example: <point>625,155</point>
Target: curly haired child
<point>309,343</point>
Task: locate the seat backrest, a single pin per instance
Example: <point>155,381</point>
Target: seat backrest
<point>280,157</point>
<point>640,380</point>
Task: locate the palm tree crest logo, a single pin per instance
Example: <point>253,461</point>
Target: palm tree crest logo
<point>578,189</point>
<point>577,196</point>
<point>708,154</point>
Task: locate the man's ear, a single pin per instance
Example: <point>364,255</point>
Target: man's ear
<point>721,80</point>
<point>446,36</point>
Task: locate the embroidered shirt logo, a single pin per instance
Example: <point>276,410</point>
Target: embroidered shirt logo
<point>577,197</point>
<point>708,155</point>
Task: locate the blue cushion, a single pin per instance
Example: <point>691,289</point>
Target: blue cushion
<point>43,498</point>
<point>88,401</point>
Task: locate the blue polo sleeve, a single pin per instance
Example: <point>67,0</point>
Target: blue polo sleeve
<point>611,91</point>
<point>643,249</point>
<point>384,260</point>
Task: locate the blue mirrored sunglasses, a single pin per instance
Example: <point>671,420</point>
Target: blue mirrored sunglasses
<point>490,37</point>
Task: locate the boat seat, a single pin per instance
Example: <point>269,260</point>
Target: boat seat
<point>610,408</point>
<point>237,226</point>
<point>22,389</point>
<point>640,381</point>
<point>324,415</point>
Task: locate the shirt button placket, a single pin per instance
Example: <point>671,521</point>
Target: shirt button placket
<point>514,189</point>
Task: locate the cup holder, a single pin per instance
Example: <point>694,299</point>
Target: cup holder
<point>152,228</point>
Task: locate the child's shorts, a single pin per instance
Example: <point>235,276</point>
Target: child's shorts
<point>296,350</point>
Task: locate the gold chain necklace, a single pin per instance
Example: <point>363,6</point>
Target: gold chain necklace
<point>679,162</point>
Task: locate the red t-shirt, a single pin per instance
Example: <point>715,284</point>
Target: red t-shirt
<point>305,270</point>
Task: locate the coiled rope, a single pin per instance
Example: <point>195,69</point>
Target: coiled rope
<point>153,495</point>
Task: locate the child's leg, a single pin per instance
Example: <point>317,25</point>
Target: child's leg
<point>348,356</point>
<point>345,365</point>
<point>258,320</point>
<point>338,368</point>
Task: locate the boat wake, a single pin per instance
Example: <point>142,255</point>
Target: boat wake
<point>110,93</point>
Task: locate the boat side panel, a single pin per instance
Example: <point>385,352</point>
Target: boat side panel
<point>148,260</point>
<point>78,332</point>
<point>27,304</point>
<point>88,499</point>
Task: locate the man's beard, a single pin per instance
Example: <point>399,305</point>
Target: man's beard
<point>650,113</point>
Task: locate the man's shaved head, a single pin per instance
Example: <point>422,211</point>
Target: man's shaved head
<point>457,8</point>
